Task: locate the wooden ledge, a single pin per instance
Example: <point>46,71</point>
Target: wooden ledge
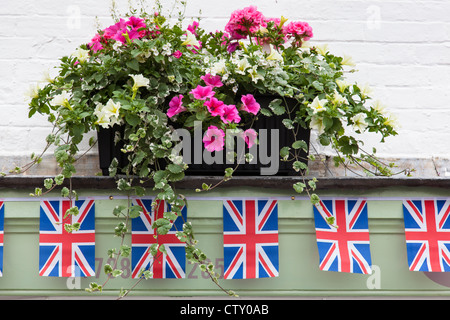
<point>274,182</point>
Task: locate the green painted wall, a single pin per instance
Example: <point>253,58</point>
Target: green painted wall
<point>299,273</point>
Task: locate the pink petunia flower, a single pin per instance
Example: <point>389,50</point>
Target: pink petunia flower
<point>215,106</point>
<point>136,23</point>
<point>111,31</point>
<point>213,139</point>
<point>193,27</point>
<point>230,114</point>
<point>96,43</point>
<point>177,54</point>
<point>245,22</point>
<point>249,104</point>
<point>212,81</point>
<point>249,137</point>
<point>202,93</point>
<point>175,106</point>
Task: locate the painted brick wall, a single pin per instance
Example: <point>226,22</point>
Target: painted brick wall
<point>402,50</point>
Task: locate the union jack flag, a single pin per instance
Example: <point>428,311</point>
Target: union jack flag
<point>250,238</point>
<point>164,265</point>
<point>427,233</point>
<point>2,217</point>
<point>343,247</point>
<point>64,254</point>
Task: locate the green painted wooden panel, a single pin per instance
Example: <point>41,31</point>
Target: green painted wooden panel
<point>299,273</point>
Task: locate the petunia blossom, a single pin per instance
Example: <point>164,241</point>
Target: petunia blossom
<point>230,114</point>
<point>212,81</point>
<point>249,136</point>
<point>202,93</point>
<point>213,139</point>
<point>249,104</point>
<point>175,106</point>
<point>177,54</point>
<point>215,106</point>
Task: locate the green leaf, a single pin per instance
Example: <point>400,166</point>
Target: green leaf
<point>277,107</point>
<point>135,211</point>
<point>174,168</point>
<point>288,123</point>
<point>132,119</point>
<point>284,153</point>
<point>133,64</point>
<point>265,112</point>
<point>300,144</point>
<point>299,187</point>
<point>48,183</point>
<point>298,166</point>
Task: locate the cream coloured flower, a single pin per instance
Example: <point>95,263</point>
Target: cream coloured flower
<point>191,40</point>
<point>32,92</point>
<point>338,99</point>
<point>359,122</point>
<point>342,85</point>
<point>139,81</point>
<point>347,61</point>
<point>274,55</point>
<point>61,99</point>
<point>218,67</point>
<point>81,55</point>
<point>317,124</point>
<point>242,65</point>
<point>391,120</point>
<point>107,115</point>
<point>378,106</point>
<point>255,75</point>
<point>111,109</point>
<point>322,49</point>
<point>318,105</point>
<point>365,91</point>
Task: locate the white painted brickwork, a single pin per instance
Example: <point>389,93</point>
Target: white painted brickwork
<point>401,48</point>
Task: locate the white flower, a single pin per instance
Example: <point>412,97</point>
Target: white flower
<point>32,92</point>
<point>365,91</point>
<point>219,67</point>
<point>359,122</point>
<point>191,40</point>
<point>322,49</point>
<point>46,77</point>
<point>139,81</point>
<point>112,108</point>
<point>378,106</point>
<point>242,65</point>
<point>274,55</point>
<point>342,85</point>
<point>318,105</point>
<point>347,61</point>
<point>255,75</point>
<point>391,120</point>
<point>338,99</point>
<point>107,115</point>
<point>103,120</point>
<point>81,55</point>
<point>61,100</point>
<point>317,124</point>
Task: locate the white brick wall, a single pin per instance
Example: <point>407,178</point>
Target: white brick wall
<point>402,49</point>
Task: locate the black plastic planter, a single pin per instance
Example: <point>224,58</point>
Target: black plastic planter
<point>267,156</point>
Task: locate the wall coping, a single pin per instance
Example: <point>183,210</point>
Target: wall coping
<point>274,182</point>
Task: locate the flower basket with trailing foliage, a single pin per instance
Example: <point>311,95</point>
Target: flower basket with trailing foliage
<point>149,78</point>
